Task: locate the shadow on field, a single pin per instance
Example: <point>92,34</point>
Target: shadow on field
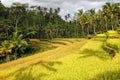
<point>21,75</point>
<point>96,53</point>
<point>29,73</point>
<point>111,75</point>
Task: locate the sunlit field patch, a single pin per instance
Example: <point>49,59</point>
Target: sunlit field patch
<point>88,62</point>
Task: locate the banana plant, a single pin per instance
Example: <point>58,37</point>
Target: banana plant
<point>6,49</point>
<point>19,44</point>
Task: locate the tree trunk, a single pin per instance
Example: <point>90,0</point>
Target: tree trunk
<point>16,25</point>
<point>112,27</point>
<point>87,30</point>
<point>83,31</point>
<point>106,27</point>
<point>112,24</point>
<point>7,57</point>
<point>76,30</point>
<point>94,30</point>
<point>15,54</point>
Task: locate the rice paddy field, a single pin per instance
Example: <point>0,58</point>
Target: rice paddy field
<point>72,59</point>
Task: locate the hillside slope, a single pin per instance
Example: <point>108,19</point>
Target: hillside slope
<point>61,51</point>
<point>85,60</point>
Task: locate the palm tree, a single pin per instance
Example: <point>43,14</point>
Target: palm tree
<point>51,14</point>
<point>100,21</point>
<point>105,19</point>
<point>81,20</point>
<point>86,22</point>
<point>92,19</point>
<point>116,12</point>
<point>111,10</point>
<point>76,25</point>
<point>67,24</point>
<point>56,20</point>
<point>44,14</point>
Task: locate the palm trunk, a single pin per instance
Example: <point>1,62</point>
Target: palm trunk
<point>112,24</point>
<point>76,30</point>
<point>112,27</point>
<point>16,25</point>
<point>106,27</point>
<point>87,31</point>
<point>56,32</point>
<point>83,31</point>
<point>94,30</point>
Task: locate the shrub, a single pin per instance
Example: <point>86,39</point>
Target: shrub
<point>100,36</point>
<point>113,34</point>
<point>89,36</point>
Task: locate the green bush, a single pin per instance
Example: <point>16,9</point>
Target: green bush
<point>89,36</point>
<point>112,34</point>
<point>108,47</point>
<point>113,46</point>
<point>100,36</point>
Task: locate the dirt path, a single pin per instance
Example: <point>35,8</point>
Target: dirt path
<point>56,53</point>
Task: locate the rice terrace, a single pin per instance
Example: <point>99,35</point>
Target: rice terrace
<point>60,40</point>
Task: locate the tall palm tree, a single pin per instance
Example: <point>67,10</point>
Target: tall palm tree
<point>105,19</point>
<point>92,19</point>
<point>80,19</point>
<point>67,24</point>
<point>86,22</point>
<point>100,21</point>
<point>44,14</point>
<point>111,9</point>
<point>56,19</point>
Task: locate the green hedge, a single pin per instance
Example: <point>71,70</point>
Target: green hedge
<point>108,47</point>
<point>112,34</point>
